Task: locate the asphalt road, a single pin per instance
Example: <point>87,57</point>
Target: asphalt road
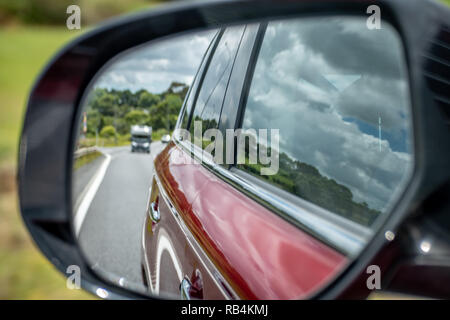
<point>110,233</point>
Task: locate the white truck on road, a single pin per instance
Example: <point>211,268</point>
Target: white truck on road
<point>141,138</point>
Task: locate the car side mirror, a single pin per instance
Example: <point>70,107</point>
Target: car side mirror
<point>384,82</point>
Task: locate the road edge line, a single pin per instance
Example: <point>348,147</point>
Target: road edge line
<point>83,208</point>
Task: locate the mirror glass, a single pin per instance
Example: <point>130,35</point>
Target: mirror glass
<point>193,150</point>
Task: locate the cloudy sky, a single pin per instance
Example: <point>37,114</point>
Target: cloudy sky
<point>154,66</point>
<point>326,85</point>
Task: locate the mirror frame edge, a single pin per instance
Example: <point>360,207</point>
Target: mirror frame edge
<point>50,225</point>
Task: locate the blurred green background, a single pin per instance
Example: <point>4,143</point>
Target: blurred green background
<point>31,31</point>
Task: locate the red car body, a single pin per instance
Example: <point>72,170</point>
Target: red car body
<point>225,244</point>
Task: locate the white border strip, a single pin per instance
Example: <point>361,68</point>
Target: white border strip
<point>90,194</point>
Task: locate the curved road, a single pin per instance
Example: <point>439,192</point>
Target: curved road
<point>110,233</point>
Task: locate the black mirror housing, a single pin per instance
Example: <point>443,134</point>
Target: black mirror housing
<point>50,129</point>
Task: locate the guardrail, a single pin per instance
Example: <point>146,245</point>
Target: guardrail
<point>84,151</point>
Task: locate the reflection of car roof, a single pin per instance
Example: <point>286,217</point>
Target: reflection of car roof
<point>141,130</point>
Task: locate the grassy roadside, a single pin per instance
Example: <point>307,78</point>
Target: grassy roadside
<point>24,272</point>
<point>105,142</point>
<point>23,53</point>
<point>83,160</point>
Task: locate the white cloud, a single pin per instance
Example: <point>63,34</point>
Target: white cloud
<point>290,91</point>
<point>154,66</point>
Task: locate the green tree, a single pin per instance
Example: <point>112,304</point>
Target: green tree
<point>123,108</point>
<point>147,99</point>
<point>177,88</point>
<point>165,113</point>
<point>107,121</point>
<point>94,121</point>
<point>106,104</point>
<point>108,132</point>
<point>137,117</point>
<point>129,98</point>
<point>122,126</point>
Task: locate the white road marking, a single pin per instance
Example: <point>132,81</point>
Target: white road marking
<point>84,201</point>
<point>90,194</point>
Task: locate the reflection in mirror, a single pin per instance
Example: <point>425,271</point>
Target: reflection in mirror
<point>352,150</point>
<point>336,96</point>
<point>128,115</point>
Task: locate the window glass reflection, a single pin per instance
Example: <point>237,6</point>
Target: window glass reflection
<point>210,98</point>
<point>338,93</point>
